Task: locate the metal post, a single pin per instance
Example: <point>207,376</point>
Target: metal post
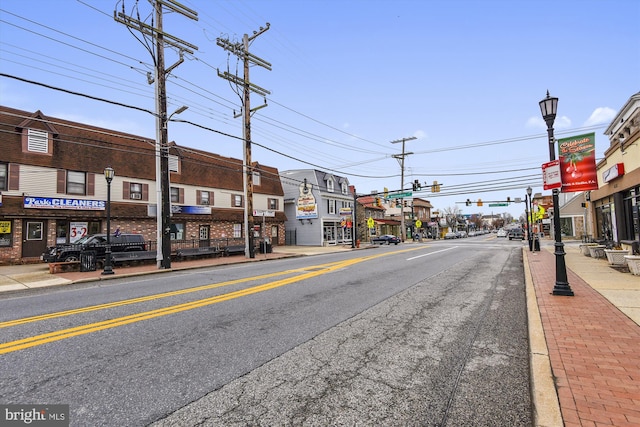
<point>108,175</point>
<point>548,108</point>
<point>527,210</point>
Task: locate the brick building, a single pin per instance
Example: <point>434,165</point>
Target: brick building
<point>52,187</point>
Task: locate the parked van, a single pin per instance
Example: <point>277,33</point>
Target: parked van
<point>96,242</point>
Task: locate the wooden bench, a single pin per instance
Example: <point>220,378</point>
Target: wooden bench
<point>133,256</point>
<point>189,252</point>
<point>59,267</point>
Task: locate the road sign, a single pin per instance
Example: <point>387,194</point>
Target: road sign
<point>400,195</point>
<point>370,222</point>
<point>418,223</point>
<point>260,212</point>
<point>493,205</point>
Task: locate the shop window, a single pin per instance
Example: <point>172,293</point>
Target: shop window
<point>6,234</point>
<point>177,231</point>
<point>237,231</point>
<point>76,183</point>
<point>4,169</point>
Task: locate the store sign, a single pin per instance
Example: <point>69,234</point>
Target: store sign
<point>613,172</point>
<point>56,203</point>
<point>550,176</point>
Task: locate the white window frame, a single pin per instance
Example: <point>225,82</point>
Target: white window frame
<point>76,183</point>
<point>174,163</point>
<point>330,185</point>
<point>237,231</point>
<point>135,191</point>
<point>256,177</point>
<point>174,194</point>
<point>205,198</point>
<point>237,201</point>
<point>332,206</point>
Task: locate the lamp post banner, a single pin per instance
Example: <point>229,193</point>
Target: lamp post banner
<point>577,157</point>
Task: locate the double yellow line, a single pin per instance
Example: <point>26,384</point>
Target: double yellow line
<point>146,315</point>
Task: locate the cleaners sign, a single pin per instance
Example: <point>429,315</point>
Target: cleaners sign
<point>55,203</point>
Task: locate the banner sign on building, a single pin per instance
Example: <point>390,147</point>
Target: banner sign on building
<point>306,206</point>
<point>577,157</point>
<point>56,203</point>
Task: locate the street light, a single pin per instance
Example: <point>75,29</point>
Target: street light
<point>527,211</point>
<point>548,108</point>
<point>108,175</point>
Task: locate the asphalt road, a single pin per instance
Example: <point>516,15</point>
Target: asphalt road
<point>422,334</point>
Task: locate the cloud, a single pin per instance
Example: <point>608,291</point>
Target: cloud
<point>600,115</point>
<point>561,122</point>
<point>420,134</point>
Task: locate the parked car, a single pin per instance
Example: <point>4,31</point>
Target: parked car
<point>97,242</point>
<point>451,235</point>
<point>386,239</point>
<point>516,233</point>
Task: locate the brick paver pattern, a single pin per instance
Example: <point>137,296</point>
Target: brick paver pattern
<point>594,350</point>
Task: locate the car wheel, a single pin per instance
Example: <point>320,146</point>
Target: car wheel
<point>71,258</point>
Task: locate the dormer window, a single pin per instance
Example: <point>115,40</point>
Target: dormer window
<point>345,187</point>
<point>330,187</point>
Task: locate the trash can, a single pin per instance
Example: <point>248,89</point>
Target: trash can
<point>265,248</point>
<point>88,261</point>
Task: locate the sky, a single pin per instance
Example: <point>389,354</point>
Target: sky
<point>347,78</point>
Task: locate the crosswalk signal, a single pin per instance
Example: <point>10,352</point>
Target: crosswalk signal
<point>468,202</point>
<point>479,202</point>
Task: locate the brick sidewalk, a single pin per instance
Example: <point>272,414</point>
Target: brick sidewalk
<point>594,350</point>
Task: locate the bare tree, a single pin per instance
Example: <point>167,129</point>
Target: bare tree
<point>451,215</point>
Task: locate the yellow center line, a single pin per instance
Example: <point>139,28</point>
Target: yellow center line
<point>149,297</point>
<point>138,317</point>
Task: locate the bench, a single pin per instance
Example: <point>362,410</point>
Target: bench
<point>133,256</point>
<point>59,267</point>
<point>233,250</point>
<point>207,250</point>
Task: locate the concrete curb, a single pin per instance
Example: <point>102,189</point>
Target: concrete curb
<point>545,402</point>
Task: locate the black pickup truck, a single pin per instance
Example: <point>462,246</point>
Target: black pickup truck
<point>96,242</point>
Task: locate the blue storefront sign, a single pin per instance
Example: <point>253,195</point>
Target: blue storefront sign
<point>60,203</point>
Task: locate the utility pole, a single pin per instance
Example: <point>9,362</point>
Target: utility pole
<point>400,158</point>
<point>159,40</point>
<point>241,50</point>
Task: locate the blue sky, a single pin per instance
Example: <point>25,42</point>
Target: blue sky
<point>348,77</point>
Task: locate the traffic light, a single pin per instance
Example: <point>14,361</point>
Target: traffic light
<point>378,202</point>
<point>508,199</point>
<point>405,204</point>
<point>479,202</point>
<point>416,185</point>
<point>468,202</point>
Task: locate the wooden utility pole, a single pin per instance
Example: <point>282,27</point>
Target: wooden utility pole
<point>159,40</point>
<point>241,50</point>
<point>400,158</point>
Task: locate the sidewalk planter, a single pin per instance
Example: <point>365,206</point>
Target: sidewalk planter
<point>633,261</point>
<point>616,256</point>
<point>584,248</point>
<point>597,251</point>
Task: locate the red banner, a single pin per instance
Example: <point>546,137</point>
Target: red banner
<point>577,157</point>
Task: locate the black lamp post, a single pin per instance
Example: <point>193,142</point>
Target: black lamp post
<point>548,108</point>
<point>108,175</point>
<point>527,211</point>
